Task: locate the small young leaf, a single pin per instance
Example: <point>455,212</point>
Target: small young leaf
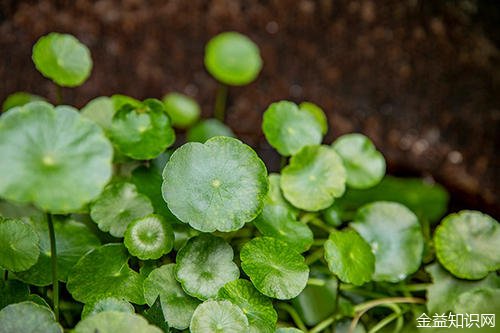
<point>177,306</point>
<point>444,292</point>
<point>142,132</point>
<point>395,237</point>
<point>278,222</point>
<point>364,164</point>
<point>467,244</point>
<point>155,316</point>
<point>317,113</point>
<point>233,58</point>
<point>107,304</point>
<point>183,110</point>
<point>218,185</point>
<point>73,240</point>
<point>274,267</point>
<point>104,272</point>
<point>117,206</point>
<point>258,308</point>
<point>204,265</point>
<point>19,99</point>
<point>288,129</point>
<point>65,161</point>
<point>12,291</point>
<point>314,178</point>
<point>112,321</point>
<point>149,237</point>
<point>100,110</point>
<point>28,317</point>
<point>18,245</point>
<point>63,59</point>
<point>207,129</point>
<point>218,317</point>
<point>349,257</point>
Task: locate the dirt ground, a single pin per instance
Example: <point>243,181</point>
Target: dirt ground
<point>421,78</point>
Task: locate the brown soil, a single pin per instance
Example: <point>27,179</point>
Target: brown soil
<point>421,78</point>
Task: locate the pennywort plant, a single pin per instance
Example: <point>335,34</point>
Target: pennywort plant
<point>143,237</point>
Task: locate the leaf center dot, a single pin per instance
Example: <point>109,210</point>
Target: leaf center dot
<point>216,183</point>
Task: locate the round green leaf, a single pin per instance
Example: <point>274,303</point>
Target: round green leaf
<point>117,206</point>
<point>349,257</point>
<point>218,185</point>
<point>218,317</point>
<point>364,164</point>
<point>65,160</point>
<point>18,245</point>
<point>19,99</point>
<point>288,129</point>
<point>12,291</point>
<point>104,272</point>
<point>142,132</point>
<point>100,110</point>
<point>258,308</point>
<point>107,304</point>
<point>314,178</point>
<point>149,237</point>
<point>483,300</point>
<point>317,113</point>
<point>204,265</point>
<point>63,59</point>
<point>113,321</point>
<point>275,195</point>
<point>183,110</point>
<point>278,222</point>
<point>395,237</point>
<point>274,267</point>
<point>467,244</point>
<point>73,240</point>
<point>177,306</point>
<point>233,58</point>
<point>28,317</point>
<point>207,129</point>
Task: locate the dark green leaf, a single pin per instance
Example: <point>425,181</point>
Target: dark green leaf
<point>18,245</point>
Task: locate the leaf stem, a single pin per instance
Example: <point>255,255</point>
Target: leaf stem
<point>322,325</point>
<point>220,102</point>
<point>313,257</point>
<point>391,302</point>
<point>320,224</point>
<point>6,275</point>
<point>316,282</point>
<point>59,95</point>
<point>53,259</point>
<point>295,316</point>
<point>384,322</point>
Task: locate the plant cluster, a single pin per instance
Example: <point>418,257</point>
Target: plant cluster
<point>110,224</point>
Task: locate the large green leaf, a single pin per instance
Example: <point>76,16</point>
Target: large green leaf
<point>177,306</point>
<point>207,129</point>
<point>444,292</point>
<point>117,206</point>
<point>104,272</point>
<point>183,110</point>
<point>218,185</point>
<point>349,257</point>
<point>28,317</point>
<point>395,237</point>
<point>149,237</point>
<point>142,132</point>
<point>364,164</point>
<point>218,317</point>
<point>233,58</point>
<point>288,129</point>
<point>54,157</point>
<point>314,178</point>
<point>258,308</point>
<point>468,244</point>
<point>63,59</point>
<point>275,268</point>
<point>204,265</point>
<point>18,245</point>
<point>112,321</point>
<point>107,304</point>
<point>73,240</point>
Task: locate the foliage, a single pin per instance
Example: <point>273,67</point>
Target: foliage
<point>201,237</point>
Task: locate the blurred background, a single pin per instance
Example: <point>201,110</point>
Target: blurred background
<point>421,78</point>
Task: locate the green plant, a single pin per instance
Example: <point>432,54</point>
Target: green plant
<point>201,238</point>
